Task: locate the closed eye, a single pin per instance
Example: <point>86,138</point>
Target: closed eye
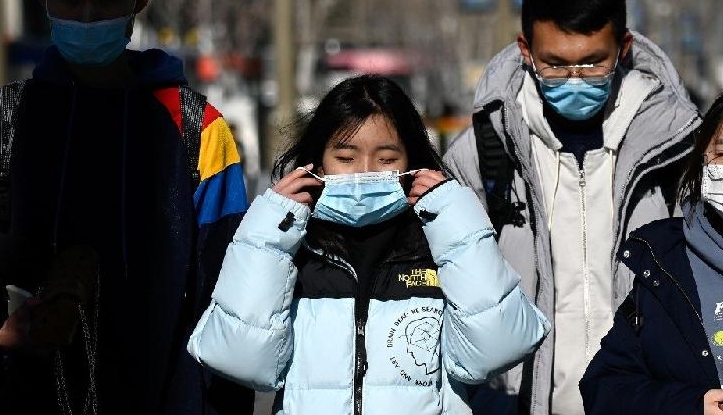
<point>344,159</point>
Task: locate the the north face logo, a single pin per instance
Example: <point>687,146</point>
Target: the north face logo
<point>420,278</point>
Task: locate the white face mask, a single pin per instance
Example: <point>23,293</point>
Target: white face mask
<point>712,186</point>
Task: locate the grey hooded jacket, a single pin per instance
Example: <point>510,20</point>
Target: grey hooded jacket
<point>656,142</point>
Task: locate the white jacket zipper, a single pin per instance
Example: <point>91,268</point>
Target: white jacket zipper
<point>585,268</point>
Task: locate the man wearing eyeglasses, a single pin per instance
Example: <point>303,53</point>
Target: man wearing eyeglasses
<point>578,133</point>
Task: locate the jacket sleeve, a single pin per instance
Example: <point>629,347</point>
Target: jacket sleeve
<point>220,201</point>
<point>489,325</point>
<point>617,380</point>
<point>245,334</point>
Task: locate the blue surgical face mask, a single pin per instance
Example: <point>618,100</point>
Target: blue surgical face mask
<point>576,99</point>
<point>361,199</point>
<point>91,44</point>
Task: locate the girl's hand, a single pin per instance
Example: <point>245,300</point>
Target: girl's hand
<point>423,181</point>
<point>296,187</point>
<point>712,401</point>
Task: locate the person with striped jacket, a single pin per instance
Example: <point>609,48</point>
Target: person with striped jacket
<point>124,188</point>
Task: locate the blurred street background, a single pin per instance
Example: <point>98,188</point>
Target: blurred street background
<point>264,62</point>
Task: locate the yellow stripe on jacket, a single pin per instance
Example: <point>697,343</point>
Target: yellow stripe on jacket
<point>218,149</point>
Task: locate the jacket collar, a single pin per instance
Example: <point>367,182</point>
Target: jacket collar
<point>656,254</point>
<point>409,242</point>
<point>152,68</point>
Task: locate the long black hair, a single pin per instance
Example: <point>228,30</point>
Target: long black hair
<point>339,116</point>
<point>690,185</point>
<point>342,112</point>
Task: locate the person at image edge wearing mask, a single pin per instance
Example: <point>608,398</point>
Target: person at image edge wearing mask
<point>664,354</point>
<point>579,132</point>
<point>125,188</point>
<point>364,281</point>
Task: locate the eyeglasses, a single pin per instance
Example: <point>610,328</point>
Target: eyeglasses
<point>555,75</point>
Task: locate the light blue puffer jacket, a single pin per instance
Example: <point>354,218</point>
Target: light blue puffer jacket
<point>419,351</point>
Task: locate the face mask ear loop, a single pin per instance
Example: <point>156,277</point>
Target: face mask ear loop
<point>410,172</point>
<point>311,173</point>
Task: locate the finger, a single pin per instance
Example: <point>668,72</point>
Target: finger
<point>288,187</point>
<point>298,184</point>
<point>421,187</point>
<point>293,175</point>
<point>412,200</point>
<point>430,173</point>
<point>418,190</point>
<point>303,198</point>
<point>427,181</point>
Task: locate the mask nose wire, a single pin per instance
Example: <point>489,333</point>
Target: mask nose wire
<point>410,172</point>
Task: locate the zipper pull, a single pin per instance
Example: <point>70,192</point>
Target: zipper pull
<point>360,330</point>
<point>582,178</point>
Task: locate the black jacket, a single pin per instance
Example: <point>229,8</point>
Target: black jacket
<point>106,168</point>
<point>656,358</point>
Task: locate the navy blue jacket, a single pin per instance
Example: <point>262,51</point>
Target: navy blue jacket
<point>656,358</point>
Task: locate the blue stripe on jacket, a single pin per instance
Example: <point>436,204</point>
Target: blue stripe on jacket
<point>220,195</point>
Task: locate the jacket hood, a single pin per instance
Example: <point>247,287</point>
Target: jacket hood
<point>152,67</point>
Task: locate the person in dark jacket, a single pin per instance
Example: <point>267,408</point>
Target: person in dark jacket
<point>664,353</point>
<point>118,225</point>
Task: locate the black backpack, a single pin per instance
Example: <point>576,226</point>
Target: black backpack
<point>193,105</point>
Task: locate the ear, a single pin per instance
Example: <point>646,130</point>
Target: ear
<point>140,5</point>
<point>626,45</point>
<point>524,49</point>
<point>320,171</point>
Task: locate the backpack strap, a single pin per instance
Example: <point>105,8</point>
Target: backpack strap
<point>193,107</point>
<point>497,170</point>
<point>10,96</point>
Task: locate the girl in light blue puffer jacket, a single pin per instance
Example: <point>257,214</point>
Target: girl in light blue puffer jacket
<point>364,281</point>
